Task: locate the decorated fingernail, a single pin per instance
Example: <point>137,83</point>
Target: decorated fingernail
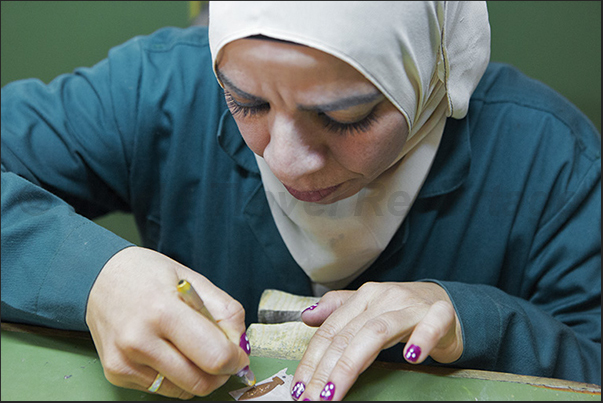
<point>413,353</point>
<point>328,392</point>
<point>247,376</point>
<point>310,308</point>
<point>244,343</point>
<point>297,390</point>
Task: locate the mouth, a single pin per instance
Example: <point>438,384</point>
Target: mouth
<point>313,195</point>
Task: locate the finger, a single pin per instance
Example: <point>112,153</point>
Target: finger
<point>327,345</point>
<point>140,377</point>
<point>228,313</point>
<point>166,388</point>
<point>316,314</point>
<point>430,331</point>
<point>167,360</point>
<point>204,343</point>
<point>342,364</point>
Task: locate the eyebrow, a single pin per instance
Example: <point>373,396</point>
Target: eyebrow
<point>344,103</point>
<point>337,105</point>
<point>237,90</point>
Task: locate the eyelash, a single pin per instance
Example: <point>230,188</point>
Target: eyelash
<point>361,126</point>
<point>332,125</point>
<point>244,111</point>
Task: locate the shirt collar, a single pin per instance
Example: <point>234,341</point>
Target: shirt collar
<point>453,159</point>
<point>232,143</point>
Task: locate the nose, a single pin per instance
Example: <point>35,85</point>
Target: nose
<point>294,151</point>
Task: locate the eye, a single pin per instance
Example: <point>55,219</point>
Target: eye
<point>360,126</point>
<point>237,108</point>
<point>344,128</point>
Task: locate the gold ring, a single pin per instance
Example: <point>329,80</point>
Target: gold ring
<point>156,383</point>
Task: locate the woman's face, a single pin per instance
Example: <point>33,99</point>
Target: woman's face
<point>323,129</point>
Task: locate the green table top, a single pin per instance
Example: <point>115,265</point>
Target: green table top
<point>50,367</point>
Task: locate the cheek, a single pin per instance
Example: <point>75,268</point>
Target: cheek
<point>368,154</point>
<point>371,153</point>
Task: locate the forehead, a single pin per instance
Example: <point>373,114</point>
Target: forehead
<point>259,57</point>
<point>260,48</point>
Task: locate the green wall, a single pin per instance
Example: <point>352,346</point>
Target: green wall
<point>46,38</point>
<point>43,39</point>
<point>557,42</point>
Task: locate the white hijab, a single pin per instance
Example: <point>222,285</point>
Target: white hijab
<point>426,57</point>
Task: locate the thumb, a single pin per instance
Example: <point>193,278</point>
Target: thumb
<point>315,314</point>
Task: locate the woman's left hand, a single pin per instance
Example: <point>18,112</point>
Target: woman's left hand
<point>356,325</point>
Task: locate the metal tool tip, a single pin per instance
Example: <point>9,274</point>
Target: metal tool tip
<point>247,376</point>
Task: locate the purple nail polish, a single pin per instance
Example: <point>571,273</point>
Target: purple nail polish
<point>244,343</point>
<point>310,308</point>
<point>247,376</point>
<point>298,389</point>
<point>328,392</point>
<point>413,353</point>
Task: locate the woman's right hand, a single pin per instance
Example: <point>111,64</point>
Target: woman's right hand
<point>141,327</point>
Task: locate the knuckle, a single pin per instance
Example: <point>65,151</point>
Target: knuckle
<point>369,287</point>
<point>234,312</point>
<point>129,347</point>
<point>330,294</point>
<point>430,331</point>
<point>218,361</point>
<point>379,328</point>
<point>445,307</point>
<point>116,371</point>
<point>333,297</point>
<point>386,293</point>
<point>326,331</point>
<point>305,367</point>
<point>341,341</point>
<point>162,315</point>
<point>336,298</point>
<point>201,387</point>
<point>347,367</point>
<point>319,378</point>
<point>130,344</point>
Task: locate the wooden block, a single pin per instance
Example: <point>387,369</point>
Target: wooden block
<point>279,307</point>
<point>287,341</point>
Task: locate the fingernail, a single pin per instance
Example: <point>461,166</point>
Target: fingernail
<point>244,343</point>
<point>298,389</point>
<point>247,376</point>
<point>328,392</point>
<point>413,353</point>
<point>310,308</point>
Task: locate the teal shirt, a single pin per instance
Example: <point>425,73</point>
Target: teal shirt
<point>508,221</point>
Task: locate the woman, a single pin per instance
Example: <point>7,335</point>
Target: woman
<point>456,223</point>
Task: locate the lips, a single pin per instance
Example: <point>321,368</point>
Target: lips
<point>311,196</point>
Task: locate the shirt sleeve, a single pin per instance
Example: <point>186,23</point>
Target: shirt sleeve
<point>51,256</point>
<point>66,157</point>
<point>556,331</point>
